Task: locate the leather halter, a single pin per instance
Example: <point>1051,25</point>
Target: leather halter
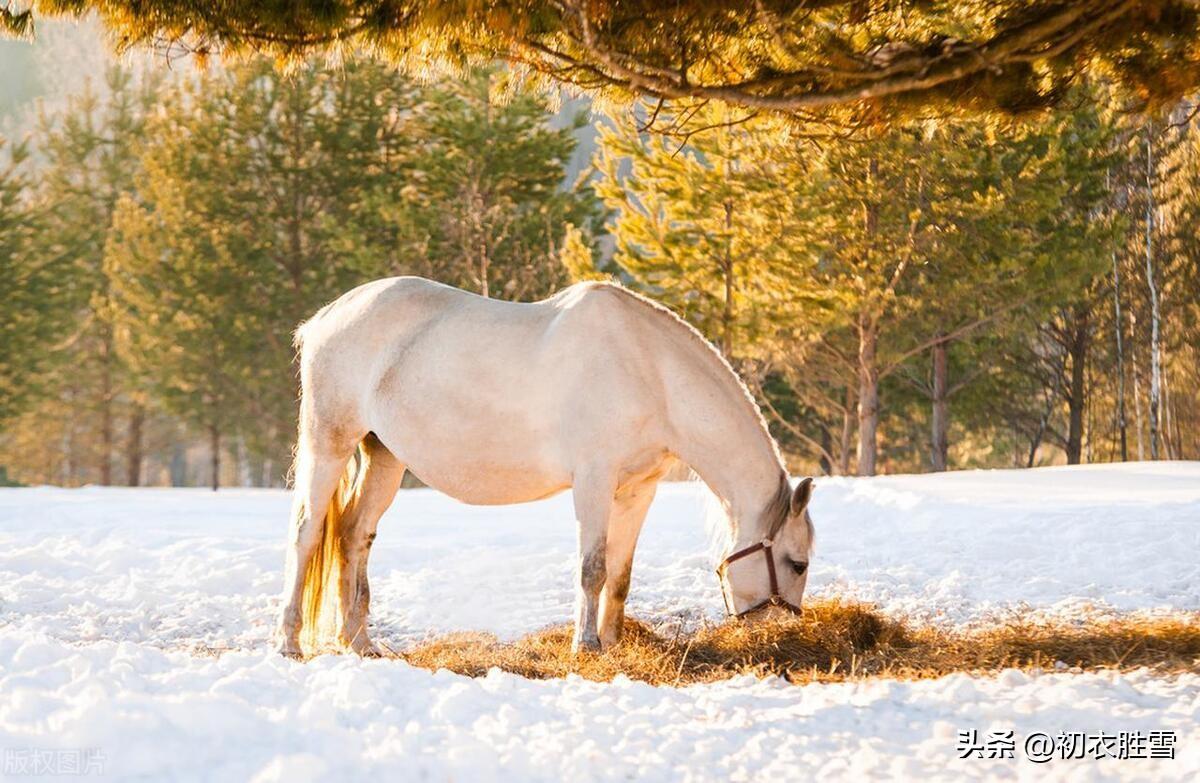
<point>774,599</point>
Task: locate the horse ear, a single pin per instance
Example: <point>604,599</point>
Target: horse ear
<point>800,496</point>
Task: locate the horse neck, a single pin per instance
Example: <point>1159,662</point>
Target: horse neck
<point>720,434</point>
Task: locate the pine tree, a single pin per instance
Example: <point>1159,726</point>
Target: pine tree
<point>711,228</point>
<point>88,161</point>
<point>236,234</point>
<point>1030,229</point>
<point>486,207</point>
<point>265,197</point>
<point>833,60</point>
<point>31,311</point>
<point>847,263</point>
<point>1162,272</point>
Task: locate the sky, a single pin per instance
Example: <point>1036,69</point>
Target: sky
<point>64,57</point>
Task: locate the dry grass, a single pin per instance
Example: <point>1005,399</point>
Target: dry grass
<point>833,641</point>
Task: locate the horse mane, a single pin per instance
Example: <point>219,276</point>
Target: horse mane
<point>662,312</point>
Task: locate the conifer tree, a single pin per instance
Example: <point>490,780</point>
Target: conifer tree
<point>712,228</point>
<point>1030,228</point>
<point>836,59</point>
<point>90,160</point>
<point>846,262</point>
<point>487,207</point>
<point>266,196</point>
<point>31,310</point>
<point>237,233</point>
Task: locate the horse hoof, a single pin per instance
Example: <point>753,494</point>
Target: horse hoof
<point>362,646</point>
<point>291,651</point>
<point>370,651</point>
<point>586,645</point>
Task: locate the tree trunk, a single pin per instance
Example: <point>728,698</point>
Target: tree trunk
<point>1137,389</point>
<point>868,397</point>
<point>106,410</point>
<point>1121,419</point>
<point>214,444</point>
<point>134,446</point>
<point>1169,445</point>
<point>179,466</point>
<point>485,256</point>
<point>68,451</point>
<point>941,414</point>
<point>868,371</point>
<point>826,450</point>
<point>1077,393</point>
<point>485,264</point>
<point>1035,441</point>
<point>1155,315</point>
<point>1179,449</point>
<point>847,432</point>
<point>1089,424</point>
<point>727,271</point>
<point>238,462</point>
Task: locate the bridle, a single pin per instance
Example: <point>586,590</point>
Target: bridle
<point>774,599</point>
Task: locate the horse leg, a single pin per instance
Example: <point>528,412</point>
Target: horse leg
<point>593,505</point>
<point>382,476</point>
<point>629,512</point>
<point>316,478</point>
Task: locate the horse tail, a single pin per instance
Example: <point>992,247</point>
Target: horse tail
<point>322,579</point>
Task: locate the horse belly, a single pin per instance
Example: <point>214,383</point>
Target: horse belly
<point>485,459</point>
<point>491,485</point>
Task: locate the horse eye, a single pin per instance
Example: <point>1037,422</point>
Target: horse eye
<point>799,567</point>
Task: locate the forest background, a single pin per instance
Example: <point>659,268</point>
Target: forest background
<point>939,294</point>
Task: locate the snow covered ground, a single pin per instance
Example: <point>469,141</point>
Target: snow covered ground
<point>134,631</point>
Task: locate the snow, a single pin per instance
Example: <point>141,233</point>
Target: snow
<point>135,624</point>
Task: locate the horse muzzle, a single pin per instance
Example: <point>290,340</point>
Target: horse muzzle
<point>775,598</point>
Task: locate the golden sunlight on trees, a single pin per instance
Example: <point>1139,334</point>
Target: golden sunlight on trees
<point>922,290</point>
<point>905,279</point>
<point>847,61</point>
<point>160,241</point>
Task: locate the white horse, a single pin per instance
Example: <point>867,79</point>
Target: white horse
<point>595,389</point>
